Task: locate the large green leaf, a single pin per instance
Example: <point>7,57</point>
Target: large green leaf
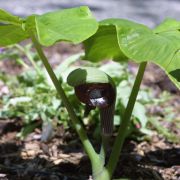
<point>103,45</point>
<point>11,31</point>
<point>161,47</point>
<point>139,43</point>
<point>74,25</point>
<point>8,18</point>
<point>11,34</point>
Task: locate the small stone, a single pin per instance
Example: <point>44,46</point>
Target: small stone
<point>57,161</point>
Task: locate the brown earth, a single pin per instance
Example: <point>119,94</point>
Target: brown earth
<point>64,158</point>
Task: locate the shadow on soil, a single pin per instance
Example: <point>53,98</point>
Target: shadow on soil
<point>13,167</point>
<point>134,166</point>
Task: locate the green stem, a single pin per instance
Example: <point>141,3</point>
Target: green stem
<point>104,146</point>
<point>30,58</point>
<point>77,124</point>
<point>113,160</point>
<point>21,62</point>
<point>102,175</point>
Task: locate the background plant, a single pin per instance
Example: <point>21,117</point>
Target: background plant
<point>30,101</point>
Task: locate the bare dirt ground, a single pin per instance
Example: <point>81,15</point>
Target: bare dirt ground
<point>64,158</point>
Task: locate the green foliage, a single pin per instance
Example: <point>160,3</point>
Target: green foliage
<point>11,34</point>
<point>74,25</point>
<point>116,39</point>
<point>30,100</point>
<point>164,117</point>
<point>8,18</point>
<point>34,98</point>
<point>139,43</point>
<point>170,136</point>
<point>11,31</point>
<point>103,45</point>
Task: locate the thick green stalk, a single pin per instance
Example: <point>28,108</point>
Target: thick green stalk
<point>102,175</point>
<point>104,148</point>
<point>125,121</point>
<point>77,124</point>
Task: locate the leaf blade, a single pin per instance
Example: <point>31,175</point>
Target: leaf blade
<point>160,46</point>
<point>74,25</point>
<point>103,45</point>
<point>11,34</point>
<point>6,17</point>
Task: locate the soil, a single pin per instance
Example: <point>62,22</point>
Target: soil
<point>63,158</point>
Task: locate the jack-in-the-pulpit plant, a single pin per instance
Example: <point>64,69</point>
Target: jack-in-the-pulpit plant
<point>95,89</point>
<point>116,39</point>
